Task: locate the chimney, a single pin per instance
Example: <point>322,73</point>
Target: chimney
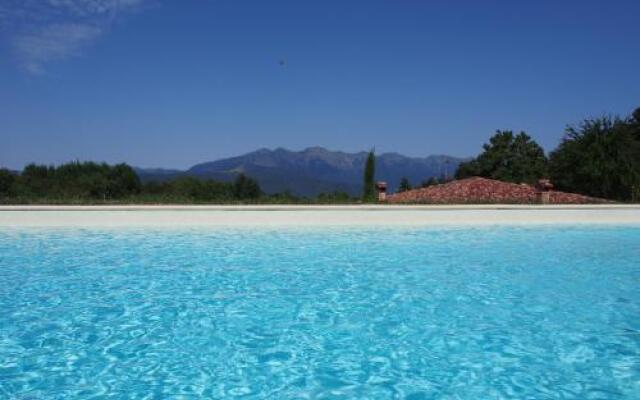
<point>382,190</point>
<point>543,189</point>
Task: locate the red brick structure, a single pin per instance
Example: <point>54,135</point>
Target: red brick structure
<point>488,191</point>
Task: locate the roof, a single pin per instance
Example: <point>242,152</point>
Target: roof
<point>483,190</point>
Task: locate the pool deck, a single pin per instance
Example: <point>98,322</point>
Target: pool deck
<point>316,215</point>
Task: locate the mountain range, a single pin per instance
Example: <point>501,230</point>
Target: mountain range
<point>313,170</point>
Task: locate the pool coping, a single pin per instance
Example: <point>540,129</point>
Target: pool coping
<point>255,216</point>
<point>296,207</point>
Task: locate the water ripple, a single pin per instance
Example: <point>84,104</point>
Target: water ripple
<point>508,313</point>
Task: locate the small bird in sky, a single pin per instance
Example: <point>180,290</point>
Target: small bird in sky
<point>282,62</point>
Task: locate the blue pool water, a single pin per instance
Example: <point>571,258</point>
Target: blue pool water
<point>473,313</point>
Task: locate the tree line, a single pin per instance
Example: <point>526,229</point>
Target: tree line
<point>82,182</point>
<point>599,157</point>
<point>90,182</point>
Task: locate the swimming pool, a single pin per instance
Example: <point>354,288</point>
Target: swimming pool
<point>419,313</point>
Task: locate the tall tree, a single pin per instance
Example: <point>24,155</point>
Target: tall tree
<point>369,190</point>
<point>507,157</point>
<point>600,157</point>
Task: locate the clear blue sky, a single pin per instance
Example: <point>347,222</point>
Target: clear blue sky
<point>173,83</point>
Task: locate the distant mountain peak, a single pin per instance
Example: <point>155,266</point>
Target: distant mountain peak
<point>315,149</point>
<point>316,169</point>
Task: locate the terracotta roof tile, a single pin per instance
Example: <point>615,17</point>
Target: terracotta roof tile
<point>481,190</point>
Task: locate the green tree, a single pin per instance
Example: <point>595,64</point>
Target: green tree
<point>7,179</point>
<point>334,197</point>
<point>77,181</point>
<point>285,197</point>
<point>122,181</point>
<point>405,185</point>
<point>191,189</point>
<point>245,188</point>
<point>600,157</point>
<point>634,124</point>
<point>369,189</point>
<point>507,157</point>
<point>36,180</point>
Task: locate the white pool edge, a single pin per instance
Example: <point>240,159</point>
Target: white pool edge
<point>170,216</point>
